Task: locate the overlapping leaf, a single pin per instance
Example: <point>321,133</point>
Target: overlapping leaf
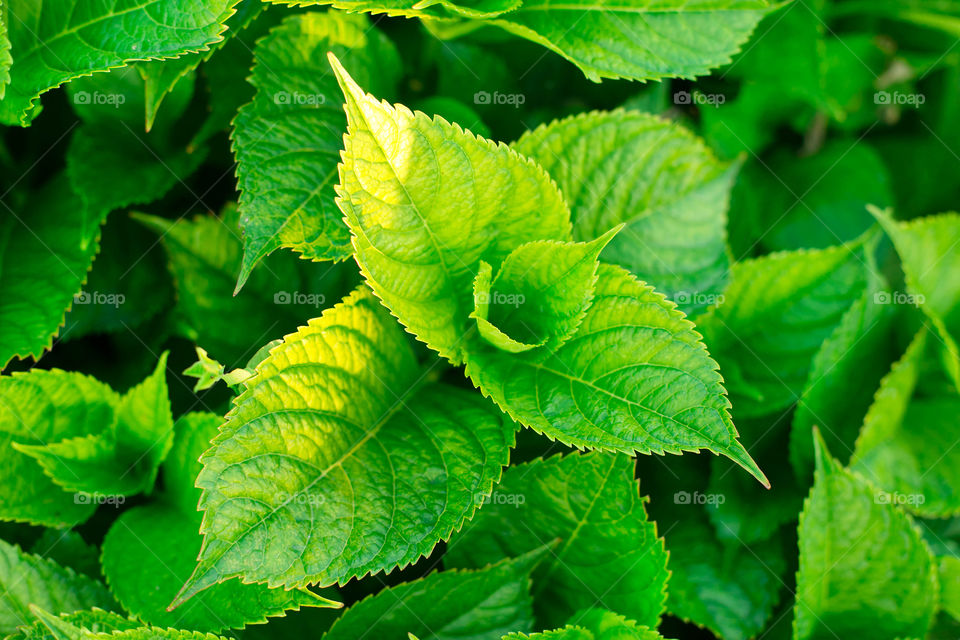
<point>150,552</point>
<point>5,59</point>
<point>41,407</point>
<point>205,256</point>
<point>67,548</point>
<point>726,586</point>
<point>593,624</point>
<point>288,139</point>
<point>418,253</point>
<point>27,580</point>
<point>45,252</point>
<point>336,461</point>
<point>637,39</point>
<point>540,294</point>
<point>634,378</point>
<point>119,457</point>
<point>418,8</point>
<point>448,605</point>
<point>111,162</point>
<point>161,77</point>
<point>928,252</point>
<point>70,626</point>
<point>907,444</point>
<point>774,317</point>
<point>861,559</point>
<point>843,378</point>
<point>55,42</point>
<point>98,625</point>
<point>609,554</point>
<point>654,176</point>
<point>405,183</point>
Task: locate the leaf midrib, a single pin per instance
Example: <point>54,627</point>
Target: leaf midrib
<point>400,403</point>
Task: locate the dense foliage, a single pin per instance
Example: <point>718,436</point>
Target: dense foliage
<point>353,319</point>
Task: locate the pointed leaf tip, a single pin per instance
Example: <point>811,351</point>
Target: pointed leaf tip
<point>344,79</point>
<point>824,462</point>
<point>194,585</point>
<point>739,454</point>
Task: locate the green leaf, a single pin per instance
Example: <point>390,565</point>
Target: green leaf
<point>161,77</point>
<point>906,446</point>
<point>728,587</point>
<point>639,39</point>
<point>416,248</point>
<point>943,16</point>
<point>609,555</point>
<point>950,586</point>
<point>42,266</point>
<point>150,633</point>
<point>566,633</point>
<point>449,605</point>
<point>843,378</point>
<point>149,553</point>
<point>55,42</point>
<point>634,378</point>
<point>205,256</point>
<point>482,287</point>
<point>748,513</point>
<point>861,559</point>
<point>127,286</point>
<point>113,167</point>
<point>68,626</point>
<point>38,408</point>
<point>225,75</point>
<point>794,37</point>
<point>5,59</point>
<point>540,294</point>
<point>607,625</point>
<point>194,433</point>
<point>927,248</point>
<point>208,371</point>
<point>816,201</point>
<point>121,457</point>
<point>27,579</point>
<point>111,163</point>
<point>288,139</point>
<point>654,176</point>
<point>67,548</point>
<point>336,461</point>
<point>748,123</point>
<point>417,8</point>
<point>775,315</point>
<point>594,624</point>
